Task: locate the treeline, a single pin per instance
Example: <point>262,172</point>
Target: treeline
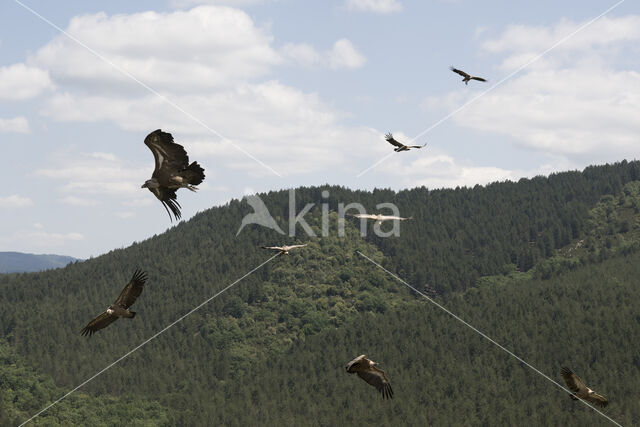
<point>310,303</point>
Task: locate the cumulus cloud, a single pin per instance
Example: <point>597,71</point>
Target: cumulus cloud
<point>343,54</point>
<point>85,174</point>
<point>577,100</point>
<point>15,201</point>
<point>15,124</point>
<point>20,81</point>
<point>233,3</point>
<point>376,6</point>
<point>205,47</point>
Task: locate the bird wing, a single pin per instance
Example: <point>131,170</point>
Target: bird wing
<point>377,378</point>
<point>573,381</point>
<point>353,365</point>
<point>170,157</point>
<point>478,78</point>
<point>596,399</point>
<point>462,73</point>
<point>391,140</point>
<point>418,146</point>
<point>369,216</point>
<point>297,246</point>
<point>275,248</point>
<point>132,290</point>
<point>101,321</point>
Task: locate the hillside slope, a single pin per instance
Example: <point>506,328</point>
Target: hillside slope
<point>18,262</point>
<point>316,308</point>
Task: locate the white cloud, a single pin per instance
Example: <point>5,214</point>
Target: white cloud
<point>15,124</point>
<point>376,6</point>
<point>15,201</point>
<point>86,174</point>
<point>20,81</point>
<point>438,169</point>
<point>205,47</point>
<point>232,3</point>
<point>343,54</point>
<point>575,101</point>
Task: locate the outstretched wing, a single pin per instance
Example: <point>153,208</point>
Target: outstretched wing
<point>377,378</point>
<point>391,140</point>
<point>596,399</point>
<point>297,246</point>
<point>353,365</point>
<point>169,156</point>
<point>274,248</point>
<point>462,73</point>
<point>132,290</point>
<point>368,216</point>
<point>102,321</point>
<point>574,383</point>
<point>418,146</point>
<point>478,78</point>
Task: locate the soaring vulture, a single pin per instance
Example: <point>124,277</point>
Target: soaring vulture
<point>580,390</point>
<point>172,171</point>
<point>120,308</point>
<point>400,146</point>
<point>283,250</point>
<point>366,369</point>
<point>380,217</point>
<point>466,76</point>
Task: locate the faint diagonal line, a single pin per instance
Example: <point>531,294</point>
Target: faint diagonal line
<point>147,341</point>
<point>483,335</point>
<point>504,79</point>
<point>149,88</point>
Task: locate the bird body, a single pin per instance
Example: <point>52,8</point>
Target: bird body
<point>367,370</point>
<point>379,218</point>
<point>120,308</point>
<point>467,77</point>
<point>283,250</point>
<point>172,171</point>
<point>400,146</point>
<point>580,390</point>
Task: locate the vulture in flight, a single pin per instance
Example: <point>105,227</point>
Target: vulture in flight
<point>399,145</point>
<point>283,250</point>
<point>172,171</point>
<point>379,217</point>
<point>580,390</point>
<point>466,76</point>
<point>366,369</point>
<point>120,308</point>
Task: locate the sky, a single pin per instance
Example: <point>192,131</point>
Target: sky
<point>275,94</point>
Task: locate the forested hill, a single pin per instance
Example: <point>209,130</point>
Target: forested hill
<point>324,304</point>
<point>18,262</point>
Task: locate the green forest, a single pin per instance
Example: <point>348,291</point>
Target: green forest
<point>546,266</point>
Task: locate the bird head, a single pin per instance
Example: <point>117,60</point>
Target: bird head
<point>150,183</point>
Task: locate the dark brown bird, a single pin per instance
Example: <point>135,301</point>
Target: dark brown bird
<point>366,369</point>
<point>580,390</point>
<point>120,308</point>
<point>172,171</point>
<point>401,147</point>
<point>466,76</point>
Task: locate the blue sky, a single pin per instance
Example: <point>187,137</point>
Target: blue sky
<point>308,88</point>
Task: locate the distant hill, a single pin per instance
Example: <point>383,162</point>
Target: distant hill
<point>18,262</point>
<point>547,266</point>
